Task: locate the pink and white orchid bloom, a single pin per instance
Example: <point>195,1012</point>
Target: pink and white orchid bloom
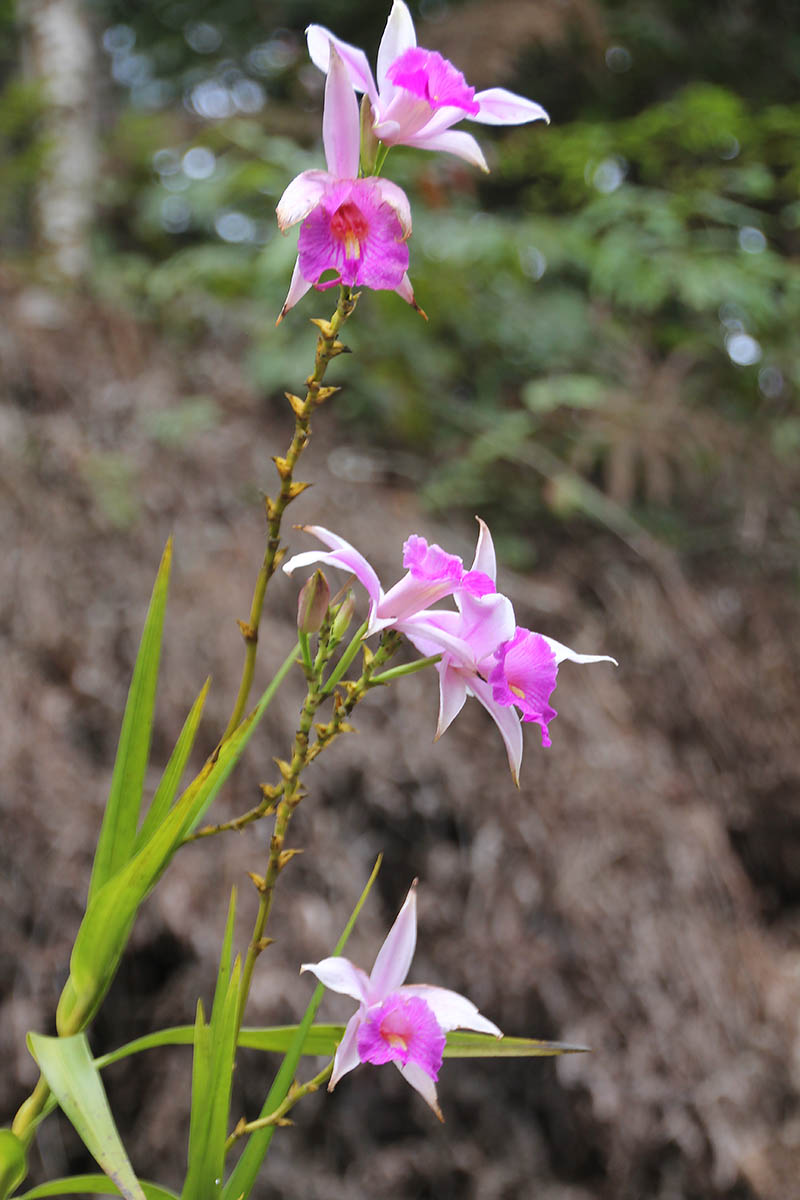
<point>356,228</point>
<point>431,574</point>
<point>419,95</point>
<point>395,1021</point>
<point>486,655</point>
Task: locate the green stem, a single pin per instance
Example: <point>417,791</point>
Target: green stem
<point>304,753</point>
<point>328,347</point>
<point>411,668</point>
<point>346,659</point>
<point>296,1092</point>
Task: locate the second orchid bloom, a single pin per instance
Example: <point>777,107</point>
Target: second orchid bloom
<point>353,229</point>
<point>510,670</point>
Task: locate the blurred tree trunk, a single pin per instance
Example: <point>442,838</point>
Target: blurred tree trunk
<point>59,54</point>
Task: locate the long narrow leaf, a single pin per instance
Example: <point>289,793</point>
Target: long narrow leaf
<point>202,1082</point>
<point>322,1040</point>
<point>241,1181</point>
<point>224,969</point>
<point>67,1065</point>
<point>211,1093</point>
<point>91,1185</point>
<point>106,926</point>
<point>121,817</point>
<point>170,780</point>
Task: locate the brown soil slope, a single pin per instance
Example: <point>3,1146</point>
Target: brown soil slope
<point>638,894</point>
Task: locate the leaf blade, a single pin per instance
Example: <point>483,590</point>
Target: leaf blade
<point>121,816</point>
<point>109,919</point>
<point>170,780</point>
<point>72,1076</point>
<point>93,1185</point>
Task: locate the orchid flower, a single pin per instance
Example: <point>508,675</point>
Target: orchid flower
<point>395,1021</point>
<point>431,574</point>
<point>486,655</point>
<point>419,95</point>
<point>357,228</point>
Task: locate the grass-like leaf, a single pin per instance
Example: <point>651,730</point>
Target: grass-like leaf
<point>322,1040</point>
<point>167,789</point>
<point>90,1185</point>
<point>106,926</point>
<point>121,817</point>
<point>241,1181</point>
<point>212,1077</point>
<point>74,1080</point>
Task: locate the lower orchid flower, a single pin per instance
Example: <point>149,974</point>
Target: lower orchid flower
<point>431,575</point>
<point>397,1022</point>
<point>357,229</point>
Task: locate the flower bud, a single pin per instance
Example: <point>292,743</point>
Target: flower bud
<point>312,603</point>
<point>369,143</point>
<point>343,617</point>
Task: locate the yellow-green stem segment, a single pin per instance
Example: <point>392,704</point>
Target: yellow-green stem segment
<point>328,347</point>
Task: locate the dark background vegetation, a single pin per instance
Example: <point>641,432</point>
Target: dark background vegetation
<point>610,377</point>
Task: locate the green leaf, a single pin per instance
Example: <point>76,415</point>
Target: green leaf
<point>108,921</point>
<point>461,1044</point>
<point>212,1077</point>
<point>121,817</point>
<point>170,780</point>
<point>322,1040</point>
<point>72,1076</point>
<point>13,1162</point>
<point>241,1181</point>
<point>93,1185</point>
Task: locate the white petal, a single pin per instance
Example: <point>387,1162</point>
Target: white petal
<point>398,36</point>
<point>301,196</point>
<point>452,141</point>
<point>396,198</point>
<point>347,558</point>
<point>505,719</point>
<point>485,559</point>
<point>341,132</point>
<point>320,41</point>
<point>406,292</point>
<point>395,955</point>
<point>452,695</point>
<point>340,975</point>
<point>563,652</point>
<point>451,1009</point>
<point>421,1082</point>
<point>297,289</point>
<point>500,107</point>
<point>346,1057</point>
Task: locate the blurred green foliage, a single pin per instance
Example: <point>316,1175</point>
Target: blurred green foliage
<point>614,312</point>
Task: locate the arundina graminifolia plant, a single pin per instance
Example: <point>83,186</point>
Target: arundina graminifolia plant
<point>355,227</point>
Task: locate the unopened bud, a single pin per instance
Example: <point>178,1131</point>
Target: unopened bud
<point>343,617</point>
<point>369,142</point>
<point>312,603</point>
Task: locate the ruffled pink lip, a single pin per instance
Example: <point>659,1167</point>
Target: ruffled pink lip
<point>354,232</point>
<point>402,1029</point>
<point>430,77</point>
<point>525,676</point>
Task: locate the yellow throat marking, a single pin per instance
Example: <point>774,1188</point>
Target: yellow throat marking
<point>352,246</point>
